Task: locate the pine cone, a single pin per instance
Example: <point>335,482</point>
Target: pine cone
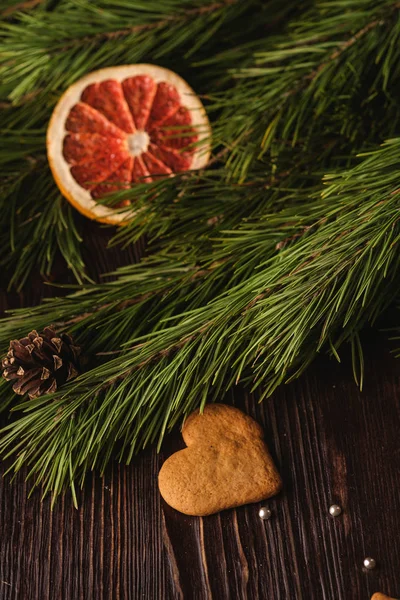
<point>40,363</point>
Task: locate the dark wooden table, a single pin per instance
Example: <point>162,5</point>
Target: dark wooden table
<point>332,444</point>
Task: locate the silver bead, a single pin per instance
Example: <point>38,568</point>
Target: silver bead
<point>335,510</point>
<point>369,563</point>
<point>264,513</point>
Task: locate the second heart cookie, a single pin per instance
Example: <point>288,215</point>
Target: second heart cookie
<point>226,464</point>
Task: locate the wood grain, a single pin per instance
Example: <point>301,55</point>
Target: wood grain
<point>331,442</point>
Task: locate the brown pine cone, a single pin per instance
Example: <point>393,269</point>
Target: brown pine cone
<point>40,363</point>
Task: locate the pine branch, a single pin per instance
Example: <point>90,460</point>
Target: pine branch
<point>304,77</point>
<point>317,292</point>
<point>161,24</point>
<point>47,47</point>
<point>240,147</point>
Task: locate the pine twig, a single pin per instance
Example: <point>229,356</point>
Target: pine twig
<point>21,6</point>
<point>110,35</point>
<point>347,44</point>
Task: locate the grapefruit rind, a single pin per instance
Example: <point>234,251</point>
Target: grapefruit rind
<point>79,197</point>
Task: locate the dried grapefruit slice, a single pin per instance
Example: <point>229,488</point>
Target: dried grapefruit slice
<point>120,126</point>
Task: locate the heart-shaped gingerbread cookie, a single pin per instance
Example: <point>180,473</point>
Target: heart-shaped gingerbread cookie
<point>379,596</point>
<point>226,464</point>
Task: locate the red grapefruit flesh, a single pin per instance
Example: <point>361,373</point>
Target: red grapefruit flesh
<point>84,119</point>
<point>176,161</point>
<point>139,93</point>
<point>79,148</point>
<point>121,126</point>
<point>119,180</point>
<point>166,102</point>
<point>90,174</point>
<point>140,174</point>
<point>155,166</point>
<point>107,97</point>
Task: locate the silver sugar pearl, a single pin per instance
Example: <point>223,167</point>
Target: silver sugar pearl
<point>335,510</point>
<point>369,563</point>
<point>264,513</point>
